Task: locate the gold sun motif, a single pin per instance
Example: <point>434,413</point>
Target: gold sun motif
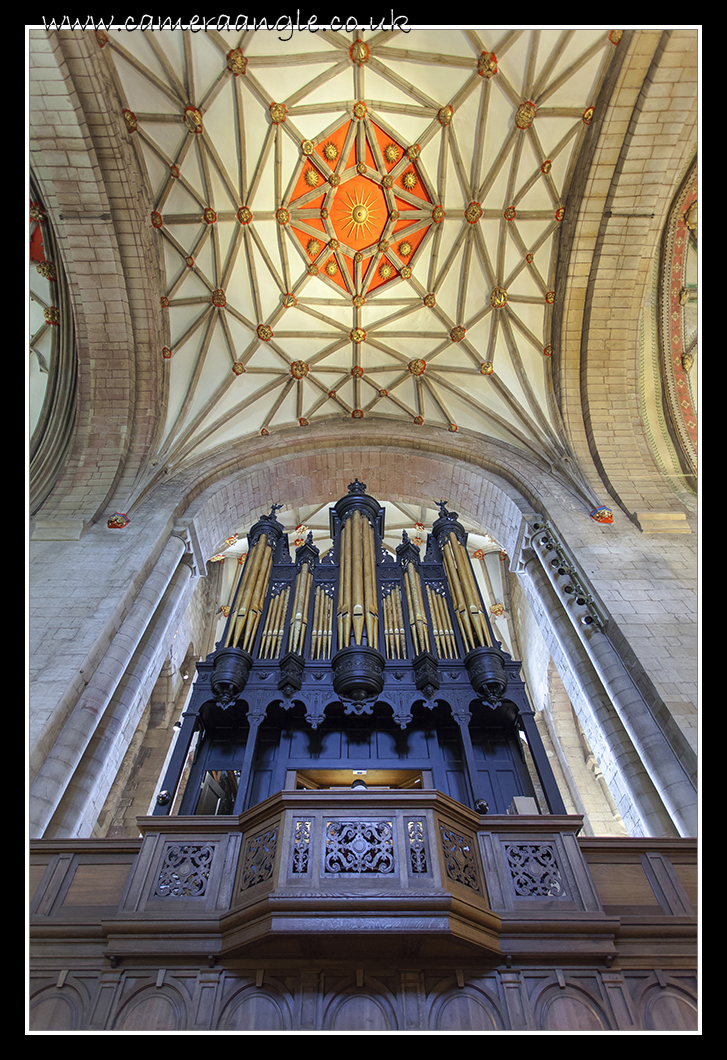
<point>330,151</point>
<point>359,215</point>
<point>409,180</point>
<point>312,178</point>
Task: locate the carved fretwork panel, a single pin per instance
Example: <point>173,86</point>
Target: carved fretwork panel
<point>359,847</point>
<point>259,858</point>
<point>534,870</point>
<point>416,836</point>
<point>459,858</point>
<point>185,870</point>
<point>302,836</point>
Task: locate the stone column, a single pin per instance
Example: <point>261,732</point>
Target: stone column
<point>56,772</point>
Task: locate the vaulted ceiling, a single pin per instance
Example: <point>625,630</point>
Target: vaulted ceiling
<point>359,225</point>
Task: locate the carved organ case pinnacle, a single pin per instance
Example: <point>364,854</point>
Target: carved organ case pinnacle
<point>357,666</point>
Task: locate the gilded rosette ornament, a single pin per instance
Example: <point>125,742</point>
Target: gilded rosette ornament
<point>278,113</point>
<point>438,214</point>
<point>118,521</point>
<point>218,298</point>
<point>497,610</point>
<point>359,52</point>
<point>429,300</point>
<point>498,297</point>
<point>487,368</point>
<point>418,420</point>
<point>130,119</point>
<point>156,219</point>
<point>52,315</point>
<point>282,216</point>
<point>357,414</point>
<point>264,332</point>
<point>548,351</point>
<point>244,215</point>
<point>47,270</point>
<point>546,166</point>
<point>602,515</point>
<point>359,110</point>
<point>525,114</point>
<point>510,213</point>
<point>358,335</point>
<point>487,65</point>
<point>357,371</point>
<point>193,119</point>
<point>473,213</point>
<point>453,427</point>
<point>445,115</point>
<point>417,367</point>
<point>209,216</point>
<point>457,333</point>
<point>588,115</point>
<point>238,368</point>
<point>166,353</point>
<point>236,62</point>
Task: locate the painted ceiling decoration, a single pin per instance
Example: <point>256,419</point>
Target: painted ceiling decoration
<point>359,226</point>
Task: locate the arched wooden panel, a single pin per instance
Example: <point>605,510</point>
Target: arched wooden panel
<point>255,1010</point>
<point>360,1012</point>
<point>569,1010</point>
<point>55,1011</point>
<point>465,1011</point>
<point>151,1010</point>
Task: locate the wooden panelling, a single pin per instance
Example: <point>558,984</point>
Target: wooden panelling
<point>97,884</point>
<point>688,876</point>
<point>623,888</point>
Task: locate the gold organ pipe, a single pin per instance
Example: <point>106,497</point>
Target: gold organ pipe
<point>357,576</point>
<point>417,614</point>
<point>306,607</point>
<point>399,629</point>
<point>344,586</point>
<point>276,623</point>
<point>471,593</point>
<point>269,623</point>
<point>370,594</point>
<point>256,606</point>
<point>316,632</point>
<point>459,601</point>
<point>297,621</point>
<point>281,620</point>
<point>389,625</point>
<point>328,627</point>
<point>436,622</point>
<point>247,587</point>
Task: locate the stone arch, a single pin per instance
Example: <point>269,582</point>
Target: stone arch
<point>113,276</point>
